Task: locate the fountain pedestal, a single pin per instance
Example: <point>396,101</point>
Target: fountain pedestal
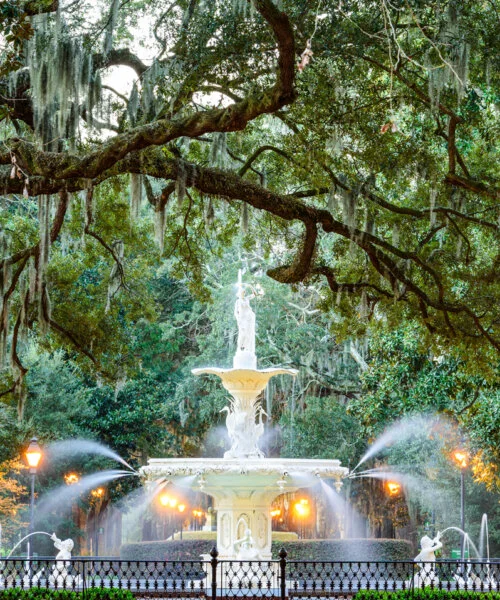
<point>244,416</point>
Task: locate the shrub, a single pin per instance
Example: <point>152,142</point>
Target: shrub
<point>47,594</point>
<point>356,550</point>
<point>426,594</point>
<point>320,550</point>
<point>171,550</point>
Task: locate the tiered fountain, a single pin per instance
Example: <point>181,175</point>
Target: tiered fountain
<point>244,483</point>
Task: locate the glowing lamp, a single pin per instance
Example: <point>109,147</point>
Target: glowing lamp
<point>33,453</point>
<point>164,499</point>
<point>302,508</point>
<point>71,478</point>
<point>461,457</point>
<point>393,487</point>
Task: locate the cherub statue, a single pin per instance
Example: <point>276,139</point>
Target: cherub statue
<point>245,547</point>
<point>426,559</point>
<point>65,547</point>
<point>60,569</point>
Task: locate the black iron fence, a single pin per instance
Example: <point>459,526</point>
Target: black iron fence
<point>215,578</point>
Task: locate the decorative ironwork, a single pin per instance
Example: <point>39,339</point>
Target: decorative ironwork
<point>215,579</point>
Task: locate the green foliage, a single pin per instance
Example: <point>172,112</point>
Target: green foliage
<point>319,550</point>
<point>323,429</point>
<point>171,550</point>
<point>48,594</point>
<point>348,550</point>
<point>426,594</point>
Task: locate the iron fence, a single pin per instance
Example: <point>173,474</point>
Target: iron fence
<point>214,579</point>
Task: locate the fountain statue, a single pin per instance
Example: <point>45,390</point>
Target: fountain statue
<point>245,317</point>
<point>60,576</point>
<point>244,483</point>
<point>426,560</point>
<point>245,547</point>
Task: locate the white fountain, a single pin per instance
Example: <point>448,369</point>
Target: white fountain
<point>244,483</point>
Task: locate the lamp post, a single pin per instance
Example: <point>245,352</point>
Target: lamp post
<point>460,457</point>
<point>303,511</point>
<point>97,496</point>
<point>198,515</point>
<point>33,456</point>
<point>171,502</point>
<point>393,489</point>
<point>181,508</point>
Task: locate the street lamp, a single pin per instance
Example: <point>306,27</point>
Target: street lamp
<point>461,458</point>
<point>393,488</point>
<point>33,456</point>
<point>71,478</point>
<point>97,496</point>
<point>181,508</point>
<point>168,501</point>
<point>198,515</point>
<point>302,510</point>
<point>172,503</point>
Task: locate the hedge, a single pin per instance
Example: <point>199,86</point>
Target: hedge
<point>319,550</point>
<point>47,594</point>
<point>347,550</point>
<point>283,536</point>
<point>171,550</point>
<point>426,594</point>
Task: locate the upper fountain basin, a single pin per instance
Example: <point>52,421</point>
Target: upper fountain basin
<point>244,383</point>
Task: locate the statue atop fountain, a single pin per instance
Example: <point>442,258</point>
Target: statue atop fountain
<point>245,357</point>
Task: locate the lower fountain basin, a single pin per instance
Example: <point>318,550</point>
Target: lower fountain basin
<point>243,490</point>
<point>266,470</point>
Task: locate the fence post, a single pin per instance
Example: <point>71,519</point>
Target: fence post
<point>213,562</point>
<point>412,582</point>
<point>282,555</point>
<point>84,581</point>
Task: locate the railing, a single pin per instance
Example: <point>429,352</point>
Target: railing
<point>281,579</point>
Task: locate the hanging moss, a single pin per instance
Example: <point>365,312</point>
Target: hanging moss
<point>135,195</point>
<point>159,226</point>
<point>61,80</point>
<point>110,27</point>
<point>209,213</point>
<point>244,217</point>
<point>181,182</point>
<point>219,157</point>
<point>133,104</point>
<point>349,207</point>
<point>115,276</point>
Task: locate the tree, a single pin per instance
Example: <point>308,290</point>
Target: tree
<point>12,490</point>
<point>404,379</point>
<point>432,405</point>
<point>371,167</point>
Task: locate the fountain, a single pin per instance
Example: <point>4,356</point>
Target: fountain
<point>244,483</point>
